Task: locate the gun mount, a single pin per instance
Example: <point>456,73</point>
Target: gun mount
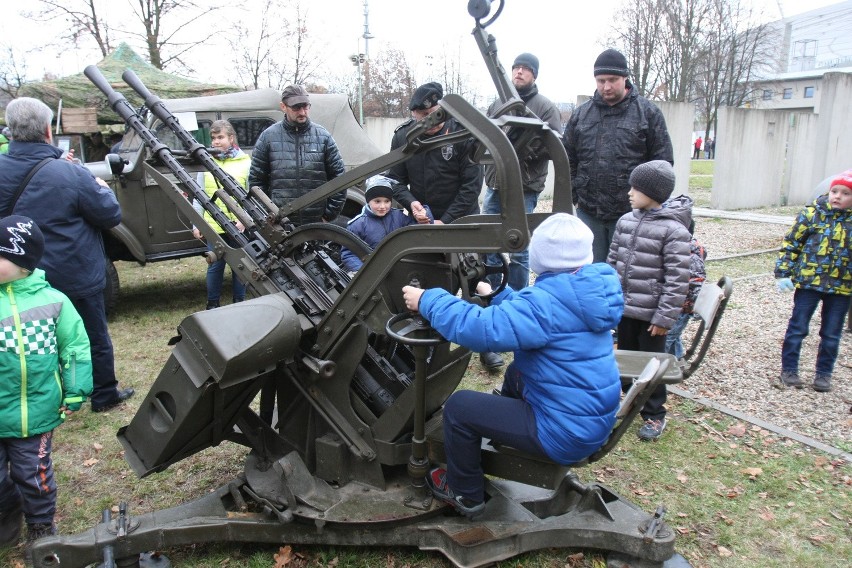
<point>349,407</point>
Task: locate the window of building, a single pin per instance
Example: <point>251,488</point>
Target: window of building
<point>809,92</point>
<point>788,93</point>
<point>767,95</point>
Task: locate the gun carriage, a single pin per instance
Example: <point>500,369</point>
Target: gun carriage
<point>350,388</point>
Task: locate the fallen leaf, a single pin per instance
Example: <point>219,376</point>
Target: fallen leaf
<point>682,530</point>
<point>817,539</point>
<point>752,471</point>
<point>98,447</point>
<point>737,429</point>
<point>767,516</point>
<point>90,462</point>
<point>724,552</point>
<point>820,461</point>
<point>284,557</point>
<point>682,478</point>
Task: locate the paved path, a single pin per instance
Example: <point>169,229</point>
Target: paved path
<point>743,216</point>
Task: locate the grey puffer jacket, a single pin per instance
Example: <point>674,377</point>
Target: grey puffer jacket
<point>534,168</point>
<point>290,160</point>
<point>604,144</point>
<point>650,252</point>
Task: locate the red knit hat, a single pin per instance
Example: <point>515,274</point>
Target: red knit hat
<point>844,179</point>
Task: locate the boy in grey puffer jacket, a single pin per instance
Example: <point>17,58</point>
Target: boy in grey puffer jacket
<point>650,252</point>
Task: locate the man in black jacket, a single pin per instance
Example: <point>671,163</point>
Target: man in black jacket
<point>606,137</point>
<point>443,178</point>
<point>294,157</point>
<point>533,168</point>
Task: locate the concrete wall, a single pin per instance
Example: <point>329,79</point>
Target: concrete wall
<point>679,120</point>
<point>768,157</point>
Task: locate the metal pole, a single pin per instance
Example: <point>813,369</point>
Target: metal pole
<point>360,93</point>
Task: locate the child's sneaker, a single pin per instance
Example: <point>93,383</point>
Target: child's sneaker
<point>652,429</point>
<point>437,481</point>
<point>822,383</point>
<point>789,379</point>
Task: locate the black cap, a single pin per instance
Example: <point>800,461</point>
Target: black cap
<point>527,60</point>
<point>426,96</point>
<point>611,62</point>
<point>21,241</point>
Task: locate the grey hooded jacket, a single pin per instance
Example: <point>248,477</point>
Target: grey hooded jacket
<point>650,253</point>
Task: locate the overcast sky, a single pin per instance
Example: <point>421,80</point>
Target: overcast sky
<point>565,37</point>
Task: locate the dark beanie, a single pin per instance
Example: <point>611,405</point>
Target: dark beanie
<point>426,96</point>
<point>656,179</point>
<point>21,241</point>
<point>611,62</point>
<point>529,61</point>
<point>378,186</point>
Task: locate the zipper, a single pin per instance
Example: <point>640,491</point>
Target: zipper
<point>22,356</point>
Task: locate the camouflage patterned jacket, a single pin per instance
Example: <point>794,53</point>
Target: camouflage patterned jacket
<point>815,254</point>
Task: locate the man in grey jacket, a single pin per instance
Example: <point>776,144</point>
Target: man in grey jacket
<point>294,157</point>
<point>533,168</point>
<point>606,138</point>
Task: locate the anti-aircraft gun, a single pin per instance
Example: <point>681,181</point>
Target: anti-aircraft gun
<point>350,386</point>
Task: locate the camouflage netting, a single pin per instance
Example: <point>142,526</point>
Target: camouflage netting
<point>76,91</point>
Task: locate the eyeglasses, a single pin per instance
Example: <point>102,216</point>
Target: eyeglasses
<point>300,106</point>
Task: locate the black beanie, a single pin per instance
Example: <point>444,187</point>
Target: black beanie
<point>426,96</point>
<point>656,179</point>
<point>611,62</point>
<point>529,61</point>
<point>21,241</point>
<point>378,186</point>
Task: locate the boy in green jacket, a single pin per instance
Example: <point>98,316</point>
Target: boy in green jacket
<point>45,373</point>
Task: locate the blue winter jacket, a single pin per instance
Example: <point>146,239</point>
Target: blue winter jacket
<point>70,208</point>
<point>559,330</point>
<point>372,229</point>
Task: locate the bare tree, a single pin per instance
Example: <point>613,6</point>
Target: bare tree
<point>278,50</point>
<point>83,20</point>
<point>452,69</point>
<point>640,31</point>
<point>13,72</point>
<point>389,85</point>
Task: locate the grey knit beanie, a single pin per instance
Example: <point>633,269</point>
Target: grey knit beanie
<point>656,179</point>
<point>562,242</point>
<point>529,61</point>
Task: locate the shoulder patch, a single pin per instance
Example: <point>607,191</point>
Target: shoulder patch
<point>405,124</point>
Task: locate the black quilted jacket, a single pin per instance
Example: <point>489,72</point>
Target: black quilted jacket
<point>604,144</point>
<point>289,161</point>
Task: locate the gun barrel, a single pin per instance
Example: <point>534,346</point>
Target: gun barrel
<point>196,149</point>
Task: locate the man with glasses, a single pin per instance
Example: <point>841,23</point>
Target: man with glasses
<point>294,157</point>
<point>443,178</point>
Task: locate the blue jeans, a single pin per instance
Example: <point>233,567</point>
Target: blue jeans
<point>92,312</point>
<point>469,417</point>
<point>603,232</point>
<point>519,267</point>
<point>216,276</point>
<point>673,343</point>
<point>834,308</point>
<point>26,474</point>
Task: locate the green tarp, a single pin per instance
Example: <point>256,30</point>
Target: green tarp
<point>76,91</point>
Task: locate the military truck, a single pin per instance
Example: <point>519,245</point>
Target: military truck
<point>152,229</point>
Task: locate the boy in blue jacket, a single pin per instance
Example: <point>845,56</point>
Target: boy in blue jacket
<point>45,372</point>
<point>561,392</point>
<point>377,220</point>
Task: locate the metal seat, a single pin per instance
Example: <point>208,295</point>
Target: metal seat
<point>709,307</point>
